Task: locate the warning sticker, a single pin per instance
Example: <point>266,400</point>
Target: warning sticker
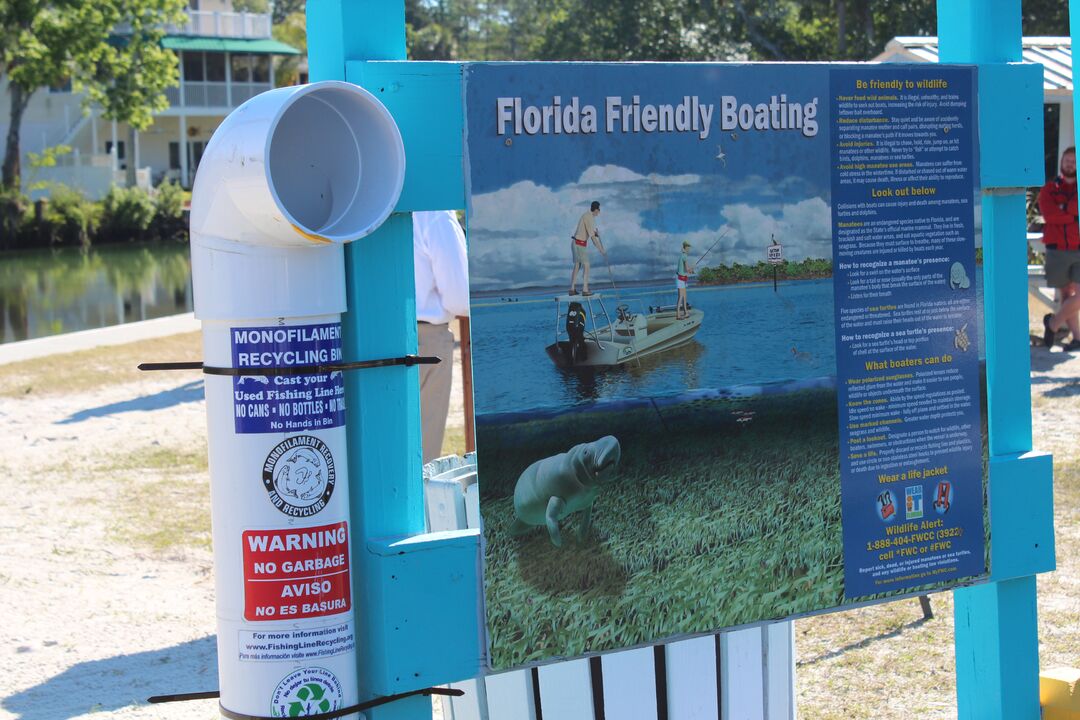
<point>291,574</point>
<point>284,403</point>
<point>295,644</point>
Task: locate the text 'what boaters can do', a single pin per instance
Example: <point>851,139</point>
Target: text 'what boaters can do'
<point>633,115</point>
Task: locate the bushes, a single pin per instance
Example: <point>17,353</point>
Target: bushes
<point>763,272</point>
<point>168,221</point>
<point>68,218</point>
<point>126,215</point>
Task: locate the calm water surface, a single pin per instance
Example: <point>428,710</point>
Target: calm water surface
<point>750,334</point>
<point>48,292</point>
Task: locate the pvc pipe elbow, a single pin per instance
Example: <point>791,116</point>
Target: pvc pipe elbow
<point>287,178</point>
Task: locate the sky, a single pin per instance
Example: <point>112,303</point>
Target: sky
<point>703,184</point>
<point>519,236</point>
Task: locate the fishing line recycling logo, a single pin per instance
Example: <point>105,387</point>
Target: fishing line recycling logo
<point>307,691</point>
<point>299,476</point>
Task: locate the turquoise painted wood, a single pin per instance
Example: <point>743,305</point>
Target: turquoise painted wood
<point>1022,515</point>
<point>997,658</point>
<point>997,651</point>
<point>343,30</point>
<point>1008,359</point>
<point>393,560</point>
<point>434,151</point>
<point>1011,126</point>
<point>982,31</point>
<point>419,599</point>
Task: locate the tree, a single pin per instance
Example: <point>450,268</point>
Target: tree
<point>291,31</point>
<point>49,42</point>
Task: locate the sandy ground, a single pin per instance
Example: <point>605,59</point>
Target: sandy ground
<point>101,605</point>
<point>106,584</point>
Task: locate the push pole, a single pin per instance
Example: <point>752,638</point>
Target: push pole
<point>383,404</point>
<point>997,658</point>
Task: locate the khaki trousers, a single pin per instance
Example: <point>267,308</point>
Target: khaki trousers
<point>435,383</point>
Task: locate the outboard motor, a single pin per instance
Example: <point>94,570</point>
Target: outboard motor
<point>575,329</point>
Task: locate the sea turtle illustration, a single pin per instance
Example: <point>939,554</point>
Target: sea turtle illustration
<point>961,341</point>
<point>552,488</point>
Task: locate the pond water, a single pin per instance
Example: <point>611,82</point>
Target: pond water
<point>48,292</point>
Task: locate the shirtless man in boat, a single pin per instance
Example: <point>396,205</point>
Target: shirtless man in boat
<point>586,229</point>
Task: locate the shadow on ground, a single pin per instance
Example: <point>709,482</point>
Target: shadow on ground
<point>866,642</point>
<point>191,392</point>
<point>117,682</point>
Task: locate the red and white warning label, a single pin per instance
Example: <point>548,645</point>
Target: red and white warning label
<point>290,574</point>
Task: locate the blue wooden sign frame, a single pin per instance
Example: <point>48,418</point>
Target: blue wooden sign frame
<point>410,637</point>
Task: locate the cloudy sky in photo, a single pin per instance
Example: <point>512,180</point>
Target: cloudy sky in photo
<point>519,236</point>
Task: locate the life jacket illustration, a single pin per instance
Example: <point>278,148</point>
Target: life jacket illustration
<point>943,497</point>
<point>886,506</point>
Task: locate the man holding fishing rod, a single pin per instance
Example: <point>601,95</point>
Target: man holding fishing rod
<point>586,230</point>
<point>683,270</point>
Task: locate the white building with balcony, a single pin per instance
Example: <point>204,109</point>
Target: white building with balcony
<point>225,58</point>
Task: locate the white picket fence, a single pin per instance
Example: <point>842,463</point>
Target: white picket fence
<point>739,675</point>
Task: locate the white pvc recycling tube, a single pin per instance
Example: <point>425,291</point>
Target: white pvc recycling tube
<point>287,178</point>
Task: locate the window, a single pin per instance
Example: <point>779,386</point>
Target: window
<point>195,153</point>
<point>215,67</point>
<point>174,155</point>
<point>119,149</point>
<point>260,72</point>
<point>193,4</point>
<point>119,153</point>
<point>193,67</point>
<point>62,87</point>
<point>241,68</point>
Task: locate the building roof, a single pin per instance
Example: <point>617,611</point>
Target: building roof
<point>1053,53</point>
<point>232,45</point>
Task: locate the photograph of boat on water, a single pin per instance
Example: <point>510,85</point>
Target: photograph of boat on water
<point>654,341</point>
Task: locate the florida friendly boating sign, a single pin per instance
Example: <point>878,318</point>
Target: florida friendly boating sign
<point>679,427</point>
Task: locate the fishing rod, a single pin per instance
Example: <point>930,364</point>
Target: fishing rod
<point>611,276</point>
<point>711,247</point>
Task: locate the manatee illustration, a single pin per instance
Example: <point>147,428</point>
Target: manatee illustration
<point>552,488</point>
<point>301,476</point>
<point>958,277</point>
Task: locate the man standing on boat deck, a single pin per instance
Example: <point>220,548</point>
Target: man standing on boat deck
<point>683,271</point>
<point>441,274</point>
<point>586,230</point>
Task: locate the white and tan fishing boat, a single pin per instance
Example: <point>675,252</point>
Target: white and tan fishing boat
<point>586,336</point>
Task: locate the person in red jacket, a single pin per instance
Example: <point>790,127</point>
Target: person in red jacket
<point>1061,235</point>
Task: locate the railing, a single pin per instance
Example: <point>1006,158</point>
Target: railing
<point>214,94</point>
<point>209,23</point>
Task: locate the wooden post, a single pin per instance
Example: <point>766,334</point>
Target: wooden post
<point>466,383</point>
<point>384,403</point>
<point>997,658</point>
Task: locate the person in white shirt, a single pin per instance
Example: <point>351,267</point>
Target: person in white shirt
<point>441,270</point>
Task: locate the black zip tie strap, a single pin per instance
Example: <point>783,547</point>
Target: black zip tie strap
<point>406,360</point>
<point>340,712</point>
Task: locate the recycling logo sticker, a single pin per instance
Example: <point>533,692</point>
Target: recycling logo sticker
<point>299,475</point>
<point>307,691</point>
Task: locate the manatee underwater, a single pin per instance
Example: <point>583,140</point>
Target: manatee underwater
<point>552,488</point>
